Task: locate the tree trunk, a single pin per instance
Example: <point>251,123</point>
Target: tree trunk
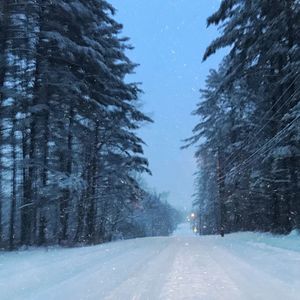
<point>67,168</point>
<point>92,205</point>
<point>14,192</point>
<point>4,8</point>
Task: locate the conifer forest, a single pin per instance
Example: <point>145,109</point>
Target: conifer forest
<point>248,134</point>
<point>71,156</point>
<point>70,153</point>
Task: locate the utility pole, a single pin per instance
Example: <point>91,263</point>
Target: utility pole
<point>221,190</point>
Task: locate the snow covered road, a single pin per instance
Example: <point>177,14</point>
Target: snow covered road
<point>240,266</point>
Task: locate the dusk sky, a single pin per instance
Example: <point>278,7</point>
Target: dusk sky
<point>170,37</point>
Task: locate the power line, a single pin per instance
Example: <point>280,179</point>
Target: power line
<point>248,138</point>
<point>264,147</point>
<point>288,126</point>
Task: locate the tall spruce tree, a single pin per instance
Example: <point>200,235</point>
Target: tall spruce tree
<point>68,124</point>
<point>258,179</point>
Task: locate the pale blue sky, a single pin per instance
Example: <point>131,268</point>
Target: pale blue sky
<point>170,37</point>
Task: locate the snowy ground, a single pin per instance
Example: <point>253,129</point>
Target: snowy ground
<point>184,266</point>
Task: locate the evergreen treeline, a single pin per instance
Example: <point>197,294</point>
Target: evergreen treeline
<point>153,216</point>
<point>248,136</point>
<point>68,119</point>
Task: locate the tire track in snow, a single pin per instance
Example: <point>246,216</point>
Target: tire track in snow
<point>146,282</point>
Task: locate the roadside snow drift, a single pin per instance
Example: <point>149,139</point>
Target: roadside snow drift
<point>239,266</point>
